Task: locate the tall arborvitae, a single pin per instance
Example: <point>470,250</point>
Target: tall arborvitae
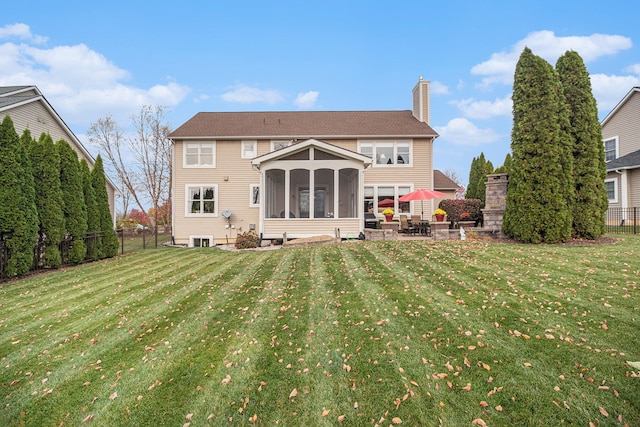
<point>18,216</point>
<point>486,168</point>
<point>505,166</point>
<point>540,187</point>
<point>75,211</point>
<point>108,246</point>
<point>590,205</point>
<point>93,219</point>
<point>474,174</point>
<point>45,162</point>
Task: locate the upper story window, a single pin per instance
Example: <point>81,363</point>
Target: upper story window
<point>610,149</point>
<point>249,149</point>
<point>276,145</point>
<point>201,200</point>
<point>199,154</point>
<point>387,153</point>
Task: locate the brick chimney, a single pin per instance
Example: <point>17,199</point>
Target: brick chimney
<point>421,100</point>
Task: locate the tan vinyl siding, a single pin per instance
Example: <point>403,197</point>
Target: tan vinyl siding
<point>233,193</point>
<point>634,187</point>
<point>625,125</point>
<point>35,117</point>
<point>298,228</point>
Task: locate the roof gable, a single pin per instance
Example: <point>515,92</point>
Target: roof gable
<point>303,124</point>
<point>325,148</point>
<point>624,100</point>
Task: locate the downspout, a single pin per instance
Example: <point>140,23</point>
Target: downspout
<point>624,202</point>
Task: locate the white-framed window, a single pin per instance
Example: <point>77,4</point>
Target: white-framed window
<point>201,200</point>
<point>200,241</point>
<point>611,185</point>
<point>199,154</point>
<point>387,153</point>
<point>610,149</point>
<point>249,149</point>
<point>254,195</point>
<point>278,144</point>
<point>379,197</point>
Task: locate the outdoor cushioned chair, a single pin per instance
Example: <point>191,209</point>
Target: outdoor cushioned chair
<point>405,227</point>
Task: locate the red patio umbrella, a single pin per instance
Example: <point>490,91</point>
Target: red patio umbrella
<point>421,195</point>
<point>386,203</point>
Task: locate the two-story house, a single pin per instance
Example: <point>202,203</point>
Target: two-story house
<point>304,173</point>
<point>29,109</point>
<point>621,136</point>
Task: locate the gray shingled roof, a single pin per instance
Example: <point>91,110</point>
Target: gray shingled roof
<point>443,182</point>
<point>303,124</point>
<point>630,161</point>
<point>8,97</point>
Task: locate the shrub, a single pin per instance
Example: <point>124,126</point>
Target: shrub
<point>455,208</point>
<point>248,240</point>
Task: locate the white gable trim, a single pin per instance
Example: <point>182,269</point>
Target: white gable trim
<point>312,142</point>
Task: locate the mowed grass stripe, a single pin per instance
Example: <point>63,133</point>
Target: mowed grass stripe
<point>90,370</point>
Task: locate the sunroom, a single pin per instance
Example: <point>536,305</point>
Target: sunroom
<point>311,188</point>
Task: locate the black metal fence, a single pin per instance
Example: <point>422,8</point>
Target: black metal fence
<point>623,220</point>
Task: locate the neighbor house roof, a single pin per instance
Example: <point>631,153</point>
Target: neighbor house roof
<point>443,182</point>
<point>630,161</point>
<point>620,104</point>
<point>303,124</point>
<point>14,96</point>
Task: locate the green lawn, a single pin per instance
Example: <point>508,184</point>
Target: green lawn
<point>360,333</point>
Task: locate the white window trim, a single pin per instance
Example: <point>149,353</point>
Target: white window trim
<point>199,166</point>
<point>251,189</point>
<point>192,238</point>
<point>288,142</point>
<point>255,148</point>
<point>395,143</point>
<point>615,189</point>
<point>617,146</point>
<point>396,191</point>
<point>187,210</point>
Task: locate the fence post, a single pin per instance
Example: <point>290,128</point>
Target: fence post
<point>635,210</point>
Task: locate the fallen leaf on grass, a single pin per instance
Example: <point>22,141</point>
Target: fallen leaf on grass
<point>88,418</point>
<point>603,411</point>
<point>253,419</point>
<point>341,418</point>
<point>325,412</point>
<point>479,422</point>
<point>113,395</point>
<point>226,380</point>
<point>396,420</point>
<point>293,393</point>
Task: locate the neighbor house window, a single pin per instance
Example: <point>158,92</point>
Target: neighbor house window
<point>611,185</point>
<point>387,153</point>
<point>277,145</point>
<point>201,200</point>
<point>254,195</point>
<point>199,154</point>
<point>249,149</point>
<point>610,149</point>
<point>200,241</point>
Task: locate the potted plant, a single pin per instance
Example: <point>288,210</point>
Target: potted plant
<point>466,221</point>
<point>388,214</point>
<point>439,213</point>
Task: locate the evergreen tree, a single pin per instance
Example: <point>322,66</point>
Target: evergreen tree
<point>540,186</point>
<point>506,165</point>
<point>474,174</point>
<point>108,245</point>
<point>18,215</point>
<point>486,168</point>
<point>45,162</point>
<point>590,204</point>
<point>75,211</point>
<point>93,219</point>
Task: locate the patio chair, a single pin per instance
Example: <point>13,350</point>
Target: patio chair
<point>405,227</point>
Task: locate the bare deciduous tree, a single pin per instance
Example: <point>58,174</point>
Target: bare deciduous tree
<point>452,174</point>
<point>142,161</point>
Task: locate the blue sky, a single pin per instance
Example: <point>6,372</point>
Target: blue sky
<point>93,59</point>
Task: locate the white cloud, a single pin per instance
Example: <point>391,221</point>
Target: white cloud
<point>501,66</point>
<point>20,31</point>
<point>475,109</point>
<point>438,88</point>
<point>81,84</point>
<point>249,95</point>
<point>609,90</point>
<point>306,100</point>
<point>461,131</point>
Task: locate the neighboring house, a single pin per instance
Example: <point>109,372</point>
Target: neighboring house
<point>621,136</point>
<point>300,173</point>
<point>444,184</point>
<point>29,109</point>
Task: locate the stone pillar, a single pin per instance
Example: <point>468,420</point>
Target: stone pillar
<point>440,230</point>
<point>496,202</point>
